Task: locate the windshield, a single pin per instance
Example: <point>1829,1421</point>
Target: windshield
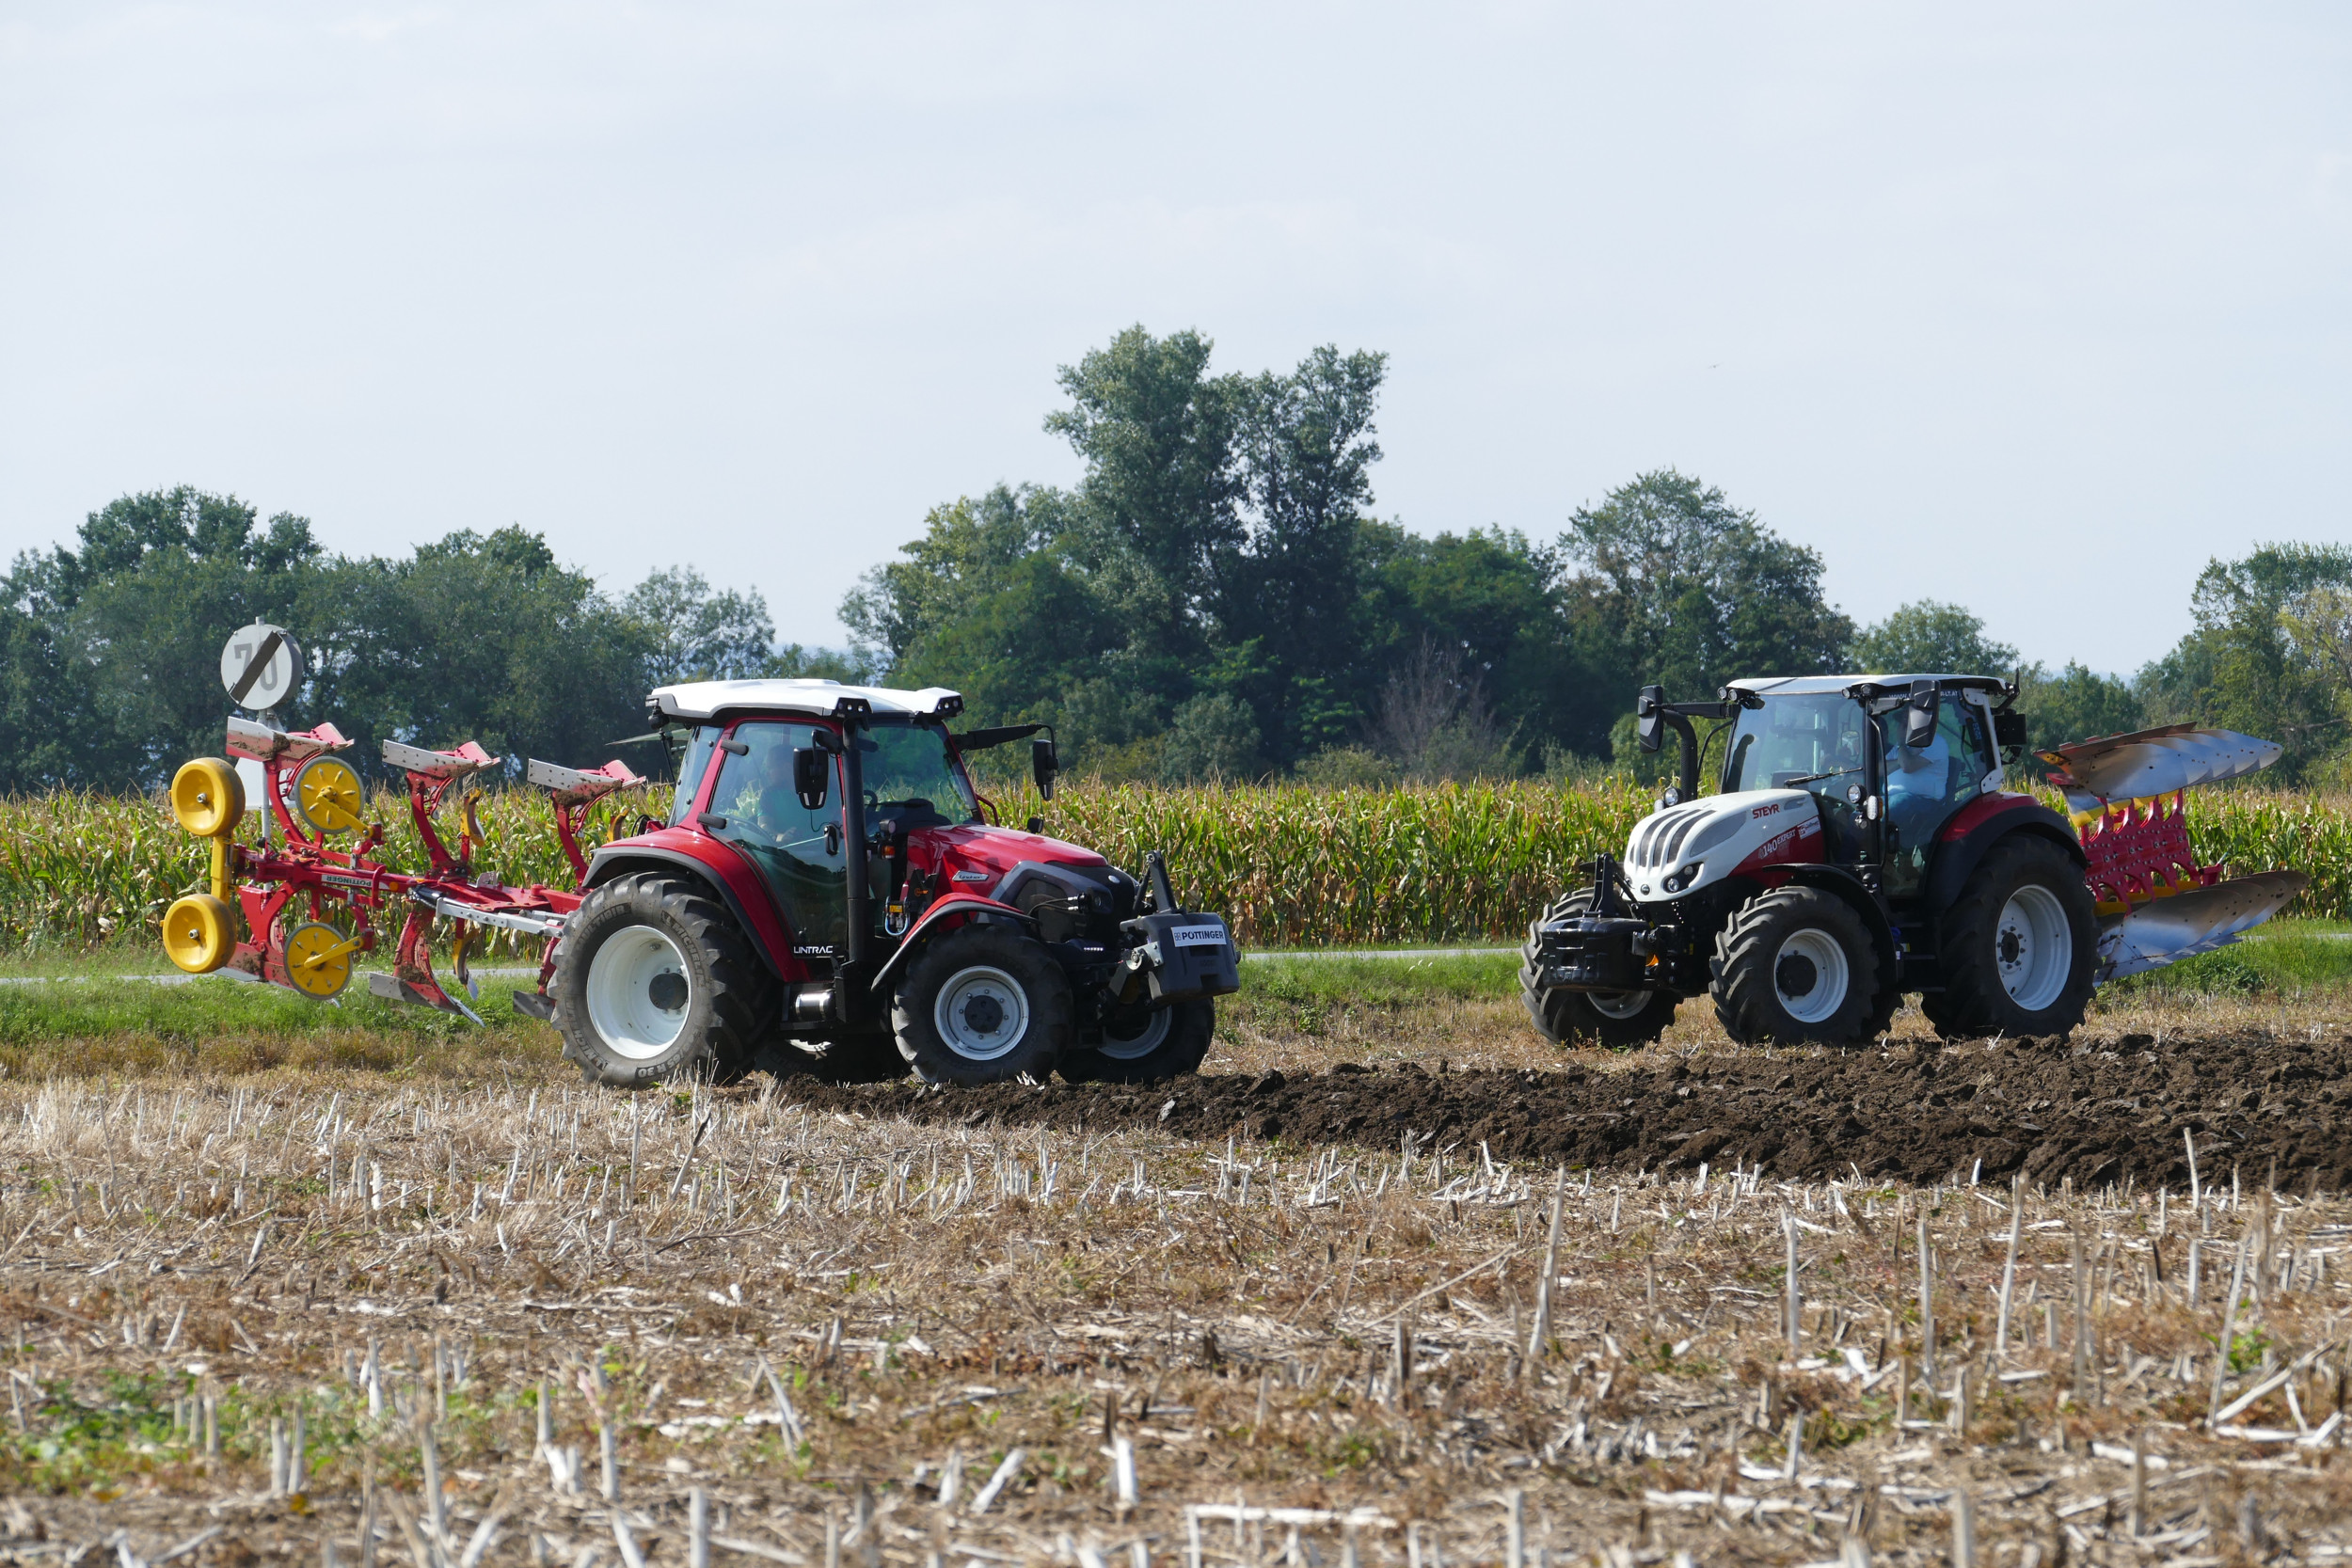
<point>910,775</point>
<point>1811,742</point>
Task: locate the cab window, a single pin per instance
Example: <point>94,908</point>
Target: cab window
<point>701,741</point>
<point>1813,743</point>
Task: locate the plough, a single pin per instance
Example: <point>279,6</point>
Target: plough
<point>283,887</point>
<point>2157,903</point>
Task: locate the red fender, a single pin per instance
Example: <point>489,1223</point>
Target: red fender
<point>949,906</point>
<point>738,883</point>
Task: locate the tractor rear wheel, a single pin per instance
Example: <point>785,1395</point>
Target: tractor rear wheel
<point>654,981</point>
<point>1146,1046</point>
<point>2019,947</point>
<point>983,1003</point>
<point>1618,1020</point>
<point>1795,966</point>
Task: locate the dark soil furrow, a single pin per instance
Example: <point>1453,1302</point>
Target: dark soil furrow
<point>2054,1110</point>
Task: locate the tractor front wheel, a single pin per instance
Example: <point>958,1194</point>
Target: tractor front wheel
<point>652,981</point>
<point>1795,966</point>
<point>1621,1021</point>
<point>982,1004</point>
<point>2019,947</point>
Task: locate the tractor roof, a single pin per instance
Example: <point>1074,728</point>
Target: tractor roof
<point>1801,686</point>
<point>815,697</point>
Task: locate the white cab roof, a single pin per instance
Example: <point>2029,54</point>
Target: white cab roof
<point>1798,686</point>
<point>820,699</point>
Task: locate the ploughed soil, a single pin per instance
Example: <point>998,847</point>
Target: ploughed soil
<point>2094,1111</point>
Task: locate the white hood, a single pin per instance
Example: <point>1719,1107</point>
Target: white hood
<point>1699,843</point>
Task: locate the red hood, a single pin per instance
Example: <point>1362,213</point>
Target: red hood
<point>996,850</point>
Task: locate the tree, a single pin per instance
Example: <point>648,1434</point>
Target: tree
<point>1929,638</point>
<point>699,635</point>
<point>2260,660</point>
<point>1681,587</point>
<point>2076,703</point>
<point>1158,508</point>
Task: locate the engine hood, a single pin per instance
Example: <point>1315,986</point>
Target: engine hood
<point>1675,852</point>
<point>976,857</point>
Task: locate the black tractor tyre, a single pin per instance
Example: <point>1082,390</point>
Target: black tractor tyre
<point>1796,966</point>
<point>1621,1021</point>
<point>2019,947</point>
<point>655,981</point>
<point>1146,1047</point>
<point>983,1003</point>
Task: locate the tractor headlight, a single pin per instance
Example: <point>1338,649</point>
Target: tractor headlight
<point>1685,877</point>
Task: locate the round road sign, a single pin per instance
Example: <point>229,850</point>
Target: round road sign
<point>261,666</point>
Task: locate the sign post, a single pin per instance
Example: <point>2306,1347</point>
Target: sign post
<point>260,665</point>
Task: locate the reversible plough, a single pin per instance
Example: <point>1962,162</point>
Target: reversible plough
<point>286,886</point>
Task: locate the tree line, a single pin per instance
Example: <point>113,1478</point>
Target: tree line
<point>1215,598</point>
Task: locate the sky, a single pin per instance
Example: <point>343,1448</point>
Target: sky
<point>2033,307</point>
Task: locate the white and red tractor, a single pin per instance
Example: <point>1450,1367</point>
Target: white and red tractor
<point>1862,844</point>
<point>830,884</point>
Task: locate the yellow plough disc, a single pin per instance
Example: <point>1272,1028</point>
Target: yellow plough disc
<point>318,959</point>
<point>200,932</point>
<point>327,796</point>
<point>207,797</point>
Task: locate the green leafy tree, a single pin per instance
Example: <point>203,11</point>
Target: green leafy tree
<point>2076,703</point>
<point>1930,637</point>
<point>1678,586</point>
<point>1159,507</point>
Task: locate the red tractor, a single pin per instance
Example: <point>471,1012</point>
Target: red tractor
<point>829,880</point>
<point>1861,845</point>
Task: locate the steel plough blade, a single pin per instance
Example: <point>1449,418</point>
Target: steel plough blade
<point>2166,930</point>
<point>2153,762</point>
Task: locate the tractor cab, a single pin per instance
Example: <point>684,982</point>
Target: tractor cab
<point>1817,734</point>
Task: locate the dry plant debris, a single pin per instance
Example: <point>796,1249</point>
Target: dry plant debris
<point>358,1319</point>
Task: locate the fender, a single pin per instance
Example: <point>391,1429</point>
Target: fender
<point>971,905</point>
<point>1846,885</point>
<point>736,882</point>
<point>1963,842</point>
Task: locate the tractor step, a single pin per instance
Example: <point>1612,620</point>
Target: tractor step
<point>2196,920</point>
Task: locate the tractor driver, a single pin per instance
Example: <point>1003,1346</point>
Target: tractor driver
<point>1918,786</point>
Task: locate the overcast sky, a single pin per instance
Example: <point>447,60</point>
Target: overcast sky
<point>2031,306</point>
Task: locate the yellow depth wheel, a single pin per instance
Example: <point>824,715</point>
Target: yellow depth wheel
<point>200,932</point>
<point>207,797</point>
<point>318,959</point>
<point>327,796</point>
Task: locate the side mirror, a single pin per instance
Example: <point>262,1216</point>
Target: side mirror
<point>1044,765</point>
<point>812,776</point>
<point>1919,711</point>
<point>1649,713</point>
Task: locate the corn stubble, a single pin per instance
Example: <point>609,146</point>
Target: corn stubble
<point>330,1313</point>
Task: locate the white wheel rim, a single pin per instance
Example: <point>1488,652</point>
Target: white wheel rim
<point>982,1013</point>
<point>1144,1041</point>
<point>1619,1004</point>
<point>622,978</point>
<point>2030,946</point>
<point>1809,975</point>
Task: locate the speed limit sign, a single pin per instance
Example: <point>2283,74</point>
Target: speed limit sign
<point>261,666</point>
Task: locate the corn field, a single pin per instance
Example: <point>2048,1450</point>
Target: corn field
<point>1289,865</point>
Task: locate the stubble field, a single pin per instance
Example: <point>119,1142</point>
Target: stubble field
<point>1310,1289</point>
